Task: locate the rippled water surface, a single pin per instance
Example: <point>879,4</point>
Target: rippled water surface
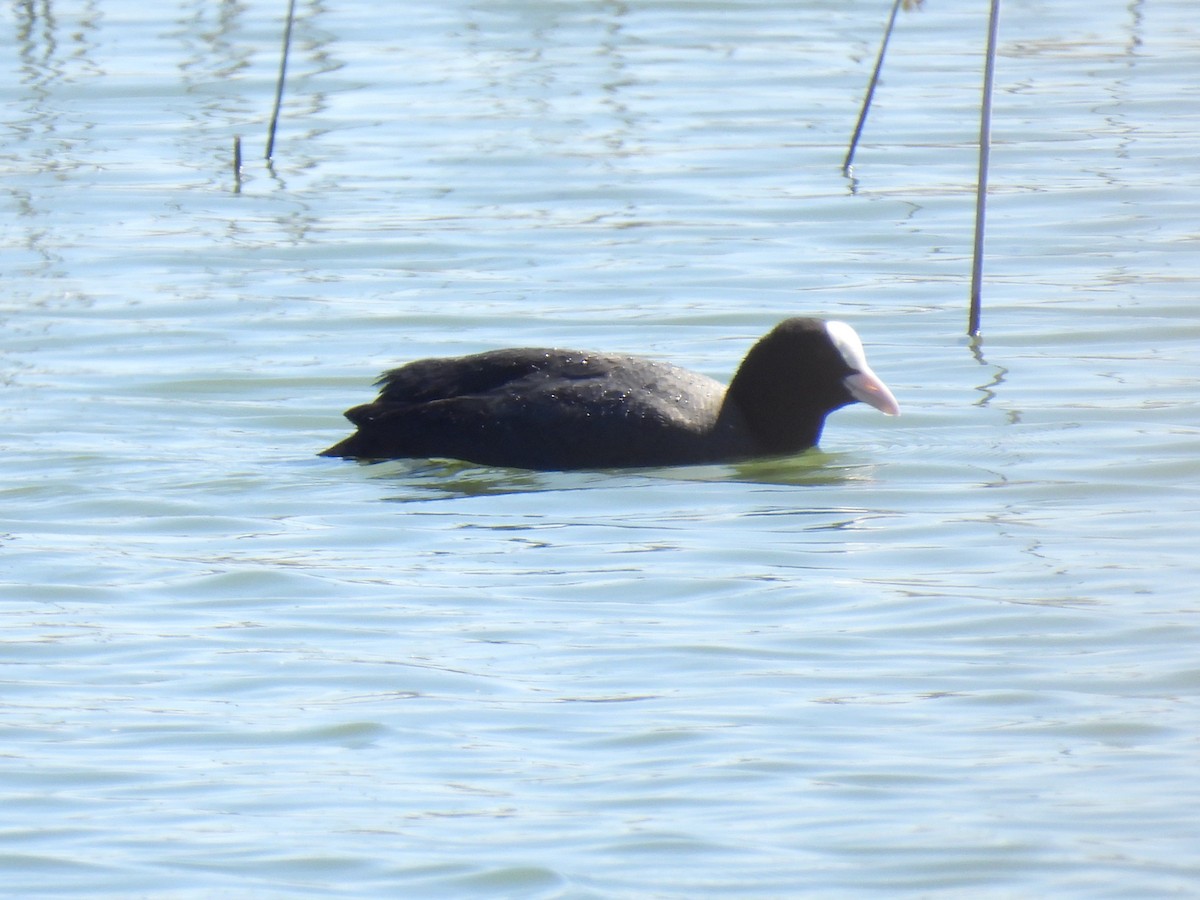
<point>951,654</point>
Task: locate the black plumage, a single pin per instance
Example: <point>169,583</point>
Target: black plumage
<point>552,409</point>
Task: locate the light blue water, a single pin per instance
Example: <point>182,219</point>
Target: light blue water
<point>949,654</point>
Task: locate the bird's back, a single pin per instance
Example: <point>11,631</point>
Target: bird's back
<point>542,409</point>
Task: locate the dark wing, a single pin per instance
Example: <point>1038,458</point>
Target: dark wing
<point>539,409</point>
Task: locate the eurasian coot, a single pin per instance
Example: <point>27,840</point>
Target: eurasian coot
<point>567,409</point>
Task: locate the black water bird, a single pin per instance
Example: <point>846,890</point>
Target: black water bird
<point>550,409</point>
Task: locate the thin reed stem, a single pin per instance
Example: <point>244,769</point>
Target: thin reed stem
<point>985,149</point>
<point>237,163</point>
<point>283,57</point>
<point>862,115</point>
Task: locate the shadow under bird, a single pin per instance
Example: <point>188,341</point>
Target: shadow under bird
<point>548,409</point>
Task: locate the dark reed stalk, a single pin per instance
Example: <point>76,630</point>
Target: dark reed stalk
<point>237,163</point>
<point>862,115</point>
<point>287,42</point>
<point>985,148</point>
